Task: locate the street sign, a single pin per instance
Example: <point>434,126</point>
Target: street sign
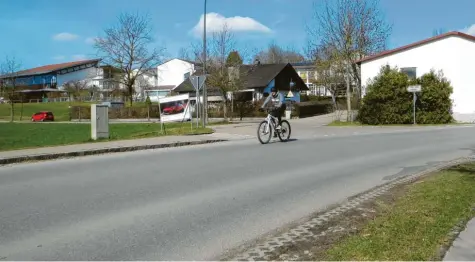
<point>413,89</point>
<point>197,81</point>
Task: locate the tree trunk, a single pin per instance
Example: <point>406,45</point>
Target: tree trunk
<point>225,110</point>
<point>148,113</point>
<point>349,116</point>
<point>232,106</point>
<point>21,110</point>
<point>12,111</point>
<point>335,106</point>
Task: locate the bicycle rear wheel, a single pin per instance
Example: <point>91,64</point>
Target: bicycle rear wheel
<point>261,135</point>
<point>285,131</point>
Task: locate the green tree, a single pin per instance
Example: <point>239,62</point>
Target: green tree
<point>233,59</point>
<point>388,102</point>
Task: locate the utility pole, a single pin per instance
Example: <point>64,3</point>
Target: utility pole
<point>205,91</point>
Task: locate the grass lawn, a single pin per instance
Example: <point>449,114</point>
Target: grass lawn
<point>356,123</point>
<point>59,109</point>
<point>418,223</point>
<point>30,135</point>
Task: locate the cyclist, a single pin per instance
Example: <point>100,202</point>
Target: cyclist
<point>279,105</point>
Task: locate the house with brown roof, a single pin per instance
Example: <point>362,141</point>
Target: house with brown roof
<point>36,82</point>
<point>257,80</point>
<point>453,53</point>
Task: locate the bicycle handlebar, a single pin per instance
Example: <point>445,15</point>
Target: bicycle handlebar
<point>268,109</point>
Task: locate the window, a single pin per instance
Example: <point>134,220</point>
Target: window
<point>186,75</point>
<point>411,72</point>
<point>313,89</point>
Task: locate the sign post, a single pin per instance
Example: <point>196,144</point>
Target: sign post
<point>414,89</point>
<point>198,82</point>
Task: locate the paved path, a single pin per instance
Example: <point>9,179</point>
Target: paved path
<point>463,249</point>
<point>101,145</point>
<point>193,203</point>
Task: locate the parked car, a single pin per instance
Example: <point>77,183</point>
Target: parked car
<point>42,116</point>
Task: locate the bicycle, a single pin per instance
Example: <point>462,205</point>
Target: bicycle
<point>271,121</point>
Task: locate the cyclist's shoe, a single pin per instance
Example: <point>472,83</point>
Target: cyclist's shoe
<point>278,127</point>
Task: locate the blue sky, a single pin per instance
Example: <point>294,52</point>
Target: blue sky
<point>40,32</point>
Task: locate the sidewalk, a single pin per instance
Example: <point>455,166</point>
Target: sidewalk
<point>463,248</point>
<point>45,153</point>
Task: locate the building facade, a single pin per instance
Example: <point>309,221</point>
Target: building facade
<point>453,53</point>
<point>308,72</point>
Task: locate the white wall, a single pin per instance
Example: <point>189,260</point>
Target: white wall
<point>455,56</point>
<point>173,71</point>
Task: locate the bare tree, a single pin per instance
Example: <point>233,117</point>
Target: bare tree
<point>184,53</point>
<point>222,44</point>
<point>330,73</point>
<point>221,75</point>
<point>126,46</point>
<point>354,29</point>
<point>9,76</point>
<point>75,89</point>
<point>145,81</point>
<point>275,54</point>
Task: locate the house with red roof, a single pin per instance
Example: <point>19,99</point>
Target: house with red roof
<point>453,53</point>
<point>36,82</point>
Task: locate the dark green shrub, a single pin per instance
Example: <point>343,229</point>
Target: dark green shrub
<point>387,100</point>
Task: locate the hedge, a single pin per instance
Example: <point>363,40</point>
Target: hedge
<point>241,110</point>
<point>84,112</point>
<point>387,100</point>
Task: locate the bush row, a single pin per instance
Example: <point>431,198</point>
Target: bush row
<point>239,110</point>
<point>84,112</point>
<point>387,100</point>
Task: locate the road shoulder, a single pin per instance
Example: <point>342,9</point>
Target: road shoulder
<point>401,220</point>
<point>97,148</point>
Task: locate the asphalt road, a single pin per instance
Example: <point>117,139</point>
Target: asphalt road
<point>194,203</point>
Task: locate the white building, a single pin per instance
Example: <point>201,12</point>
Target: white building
<point>453,53</point>
<point>145,82</point>
<point>175,71</point>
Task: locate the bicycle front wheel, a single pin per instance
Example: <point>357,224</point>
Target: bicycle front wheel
<point>264,132</point>
<point>285,131</point>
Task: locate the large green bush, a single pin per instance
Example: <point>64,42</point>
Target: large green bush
<point>387,100</point>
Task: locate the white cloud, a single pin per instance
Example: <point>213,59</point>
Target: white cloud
<point>215,23</point>
<point>469,30</point>
<point>65,36</point>
<point>59,57</point>
<point>90,40</point>
<point>79,57</point>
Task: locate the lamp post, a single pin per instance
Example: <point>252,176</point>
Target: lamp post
<point>205,91</point>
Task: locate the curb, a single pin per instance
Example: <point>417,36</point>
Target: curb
<point>39,157</point>
<point>261,250</point>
